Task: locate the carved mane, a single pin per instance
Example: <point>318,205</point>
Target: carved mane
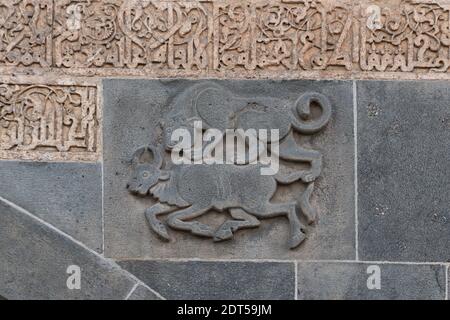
<point>165,191</point>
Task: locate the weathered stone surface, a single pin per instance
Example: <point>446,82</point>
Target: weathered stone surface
<point>35,259</point>
<point>350,281</point>
<point>132,120</point>
<point>233,38</point>
<point>216,280</point>
<point>42,121</point>
<point>403,143</point>
<point>66,195</point>
<point>142,293</point>
<point>26,33</point>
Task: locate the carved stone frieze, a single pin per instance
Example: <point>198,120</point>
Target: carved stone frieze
<point>26,32</point>
<point>283,35</point>
<point>49,122</point>
<point>250,38</point>
<point>410,37</point>
<point>133,34</point>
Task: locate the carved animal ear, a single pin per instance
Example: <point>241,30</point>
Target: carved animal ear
<point>149,154</point>
<point>302,108</point>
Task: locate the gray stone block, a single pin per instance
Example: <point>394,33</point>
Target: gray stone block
<point>216,280</point>
<point>349,281</point>
<point>35,259</point>
<point>142,293</point>
<point>131,120</point>
<point>403,162</point>
<point>66,195</point>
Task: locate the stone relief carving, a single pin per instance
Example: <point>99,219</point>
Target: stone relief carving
<point>25,32</point>
<point>185,192</point>
<point>225,36</point>
<point>49,122</point>
<point>413,36</point>
<point>285,35</point>
<point>133,34</point>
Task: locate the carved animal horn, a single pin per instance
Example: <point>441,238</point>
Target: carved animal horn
<point>302,108</point>
<point>157,157</point>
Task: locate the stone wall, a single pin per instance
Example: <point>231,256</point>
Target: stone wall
<point>359,91</point>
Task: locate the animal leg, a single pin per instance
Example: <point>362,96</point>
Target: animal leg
<point>243,220</point>
<point>290,150</point>
<point>272,210</point>
<point>176,221</point>
<point>156,225</point>
<point>305,206</point>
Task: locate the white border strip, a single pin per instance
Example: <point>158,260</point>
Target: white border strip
<point>355,173</point>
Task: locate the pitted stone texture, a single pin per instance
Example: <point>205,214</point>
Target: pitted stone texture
<point>35,259</point>
<point>132,121</point>
<point>229,38</point>
<point>197,280</point>
<point>142,293</point>
<point>348,281</point>
<point>66,195</point>
<point>403,144</point>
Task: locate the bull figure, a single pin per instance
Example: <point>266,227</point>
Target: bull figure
<point>188,191</point>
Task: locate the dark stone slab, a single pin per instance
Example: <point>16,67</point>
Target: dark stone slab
<point>66,195</point>
<point>142,293</point>
<point>216,280</point>
<point>35,258</point>
<point>403,170</point>
<point>132,114</point>
<point>348,281</point>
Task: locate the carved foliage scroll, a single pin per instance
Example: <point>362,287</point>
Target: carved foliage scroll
<point>215,36</point>
<point>25,32</point>
<point>60,122</point>
<point>133,34</point>
<point>407,38</point>
<point>294,35</point>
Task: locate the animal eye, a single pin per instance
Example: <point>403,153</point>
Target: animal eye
<point>145,174</point>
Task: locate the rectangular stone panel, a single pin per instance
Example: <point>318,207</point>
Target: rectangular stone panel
<point>37,262</point>
<point>148,35</point>
<point>367,281</point>
<point>44,120</point>
<point>26,33</point>
<point>140,113</point>
<point>198,280</point>
<point>403,170</point>
<point>66,195</point>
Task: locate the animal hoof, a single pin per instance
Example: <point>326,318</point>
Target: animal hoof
<point>202,230</point>
<point>296,240</point>
<point>161,230</point>
<point>223,234</point>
